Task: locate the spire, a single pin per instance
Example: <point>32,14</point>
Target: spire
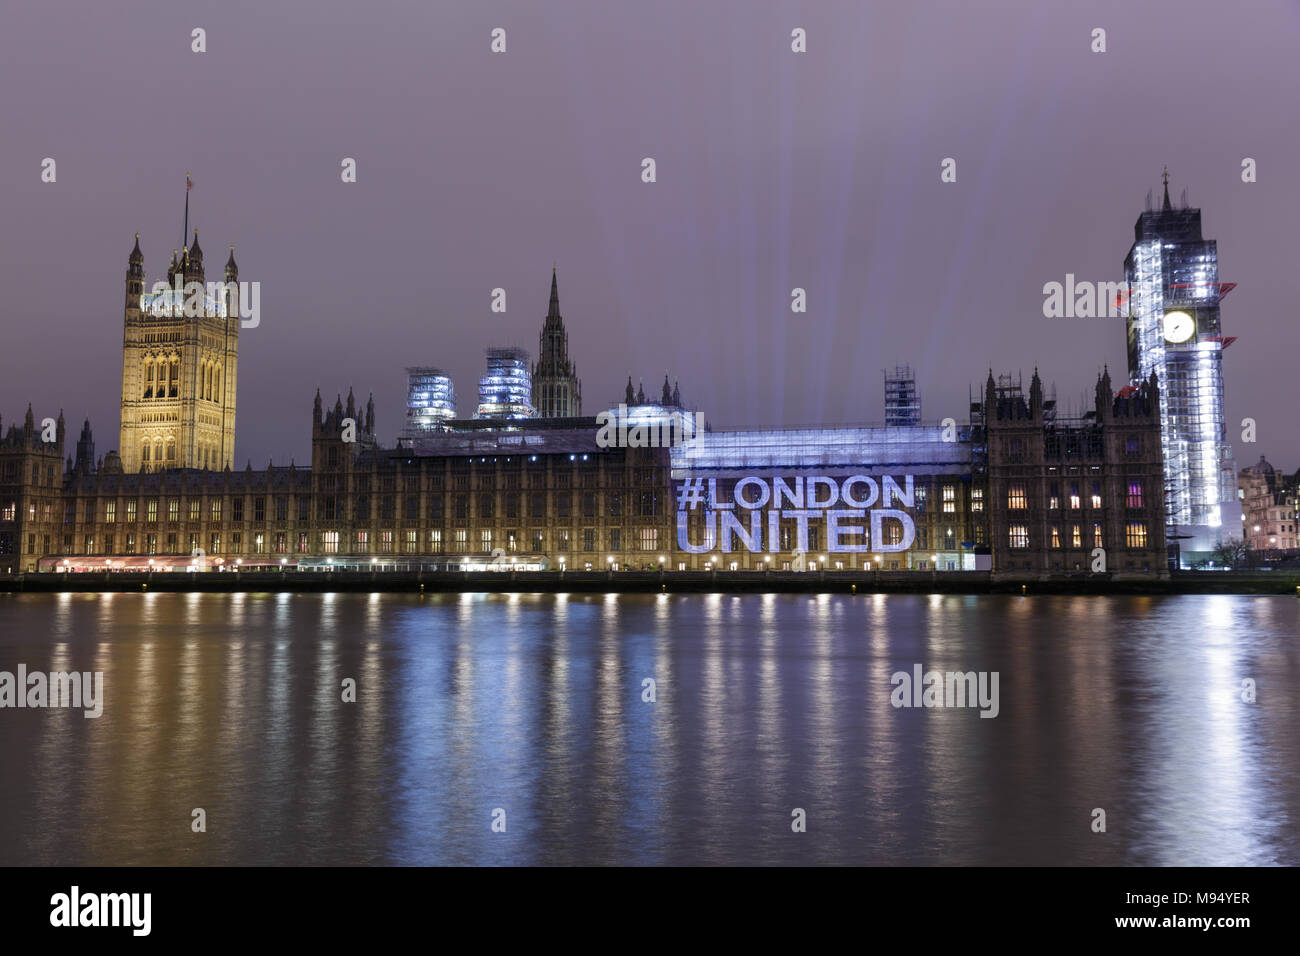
<point>640,393</point>
<point>554,311</point>
<point>629,398</point>
<point>137,256</point>
<point>677,395</point>
<point>1165,178</point>
<point>352,405</point>
<point>666,397</point>
<point>195,251</point>
<point>231,268</point>
<point>316,409</point>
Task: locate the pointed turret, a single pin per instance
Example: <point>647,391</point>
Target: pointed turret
<point>553,312</point>
<point>370,414</point>
<point>629,398</point>
<point>677,395</point>
<point>640,393</point>
<point>1167,205</point>
<point>666,397</point>
<point>351,411</point>
<point>316,417</point>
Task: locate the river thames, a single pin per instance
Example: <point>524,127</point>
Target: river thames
<point>1175,716</point>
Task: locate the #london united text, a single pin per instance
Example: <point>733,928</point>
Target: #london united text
<point>753,512</point>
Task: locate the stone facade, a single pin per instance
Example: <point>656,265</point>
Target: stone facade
<point>179,367</point>
<point>1059,490</point>
<point>1269,501</point>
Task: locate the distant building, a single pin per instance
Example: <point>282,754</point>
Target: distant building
<point>1269,502</point>
<point>556,390</point>
<point>902,401</point>
<point>506,390</point>
<point>430,400</point>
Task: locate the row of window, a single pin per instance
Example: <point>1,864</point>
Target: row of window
<point>360,542</point>
<point>1018,497</point>
<point>1135,536</point>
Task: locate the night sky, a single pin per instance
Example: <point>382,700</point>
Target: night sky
<point>775,170</point>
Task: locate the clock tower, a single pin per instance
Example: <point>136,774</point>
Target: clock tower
<point>1174,331</point>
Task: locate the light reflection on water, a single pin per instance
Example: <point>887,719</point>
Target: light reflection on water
<point>763,704</point>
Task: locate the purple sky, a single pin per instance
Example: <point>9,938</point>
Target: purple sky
<point>775,170</point>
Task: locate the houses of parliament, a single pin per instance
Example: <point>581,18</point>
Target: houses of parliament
<point>527,482</point>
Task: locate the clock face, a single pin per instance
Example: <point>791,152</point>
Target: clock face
<point>1179,327</point>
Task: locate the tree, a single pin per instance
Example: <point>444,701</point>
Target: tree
<point>1231,553</point>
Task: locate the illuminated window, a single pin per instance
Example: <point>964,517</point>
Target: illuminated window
<point>462,540</point>
<point>1096,494</point>
<point>215,510</point>
<point>649,539</point>
<point>151,510</point>
<point>386,542</point>
<point>259,542</point>
<point>435,541</point>
<point>977,499</point>
<point>1056,536</point>
<point>1076,537</point>
<point>1075,501</point>
<point>1135,534</point>
<point>1096,536</point>
<point>949,499</point>
<point>1016,499</point>
<point>412,541</point>
<point>110,511</point>
<point>1134,499</point>
<point>330,542</point>
<point>174,509</point>
<point>1019,536</point>
<point>485,540</point>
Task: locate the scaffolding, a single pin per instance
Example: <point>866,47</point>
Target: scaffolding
<point>506,391</point>
<point>902,401</point>
<point>430,400</point>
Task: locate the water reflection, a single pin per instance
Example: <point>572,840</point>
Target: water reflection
<point>538,705</point>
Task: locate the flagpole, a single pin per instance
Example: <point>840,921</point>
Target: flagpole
<point>185,230</point>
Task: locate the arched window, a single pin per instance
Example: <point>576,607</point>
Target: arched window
<point>145,449</point>
<point>174,378</point>
<point>148,378</point>
<point>171,451</point>
<point>157,450</point>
